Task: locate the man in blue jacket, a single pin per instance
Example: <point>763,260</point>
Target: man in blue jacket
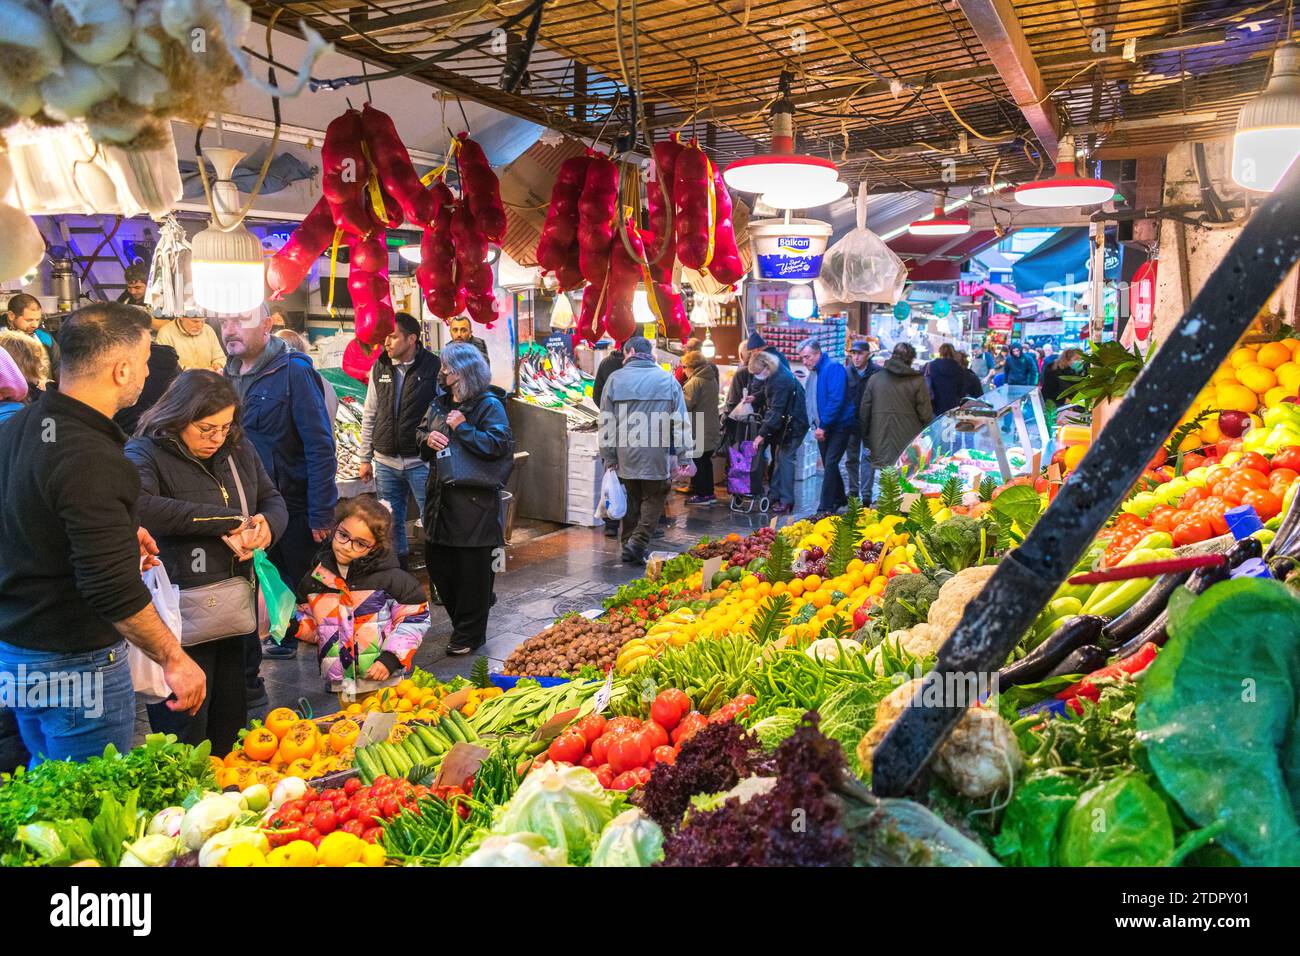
<point>831,415</point>
<point>284,416</point>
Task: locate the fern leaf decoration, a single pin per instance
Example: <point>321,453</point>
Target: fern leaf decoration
<point>950,493</point>
<point>780,560</point>
<point>987,486</point>
<point>772,616</point>
<point>890,501</point>
<point>478,674</point>
<point>845,540</point>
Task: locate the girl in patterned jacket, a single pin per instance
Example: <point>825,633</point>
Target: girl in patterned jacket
<point>365,615</point>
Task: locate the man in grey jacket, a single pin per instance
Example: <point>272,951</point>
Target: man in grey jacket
<point>644,428</point>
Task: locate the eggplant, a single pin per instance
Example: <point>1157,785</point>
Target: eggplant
<point>1202,578</point>
<point>1286,529</point>
<point>1081,660</point>
<point>1135,620</point>
<point>1157,633</point>
<point>1244,550</point>
<point>1077,631</point>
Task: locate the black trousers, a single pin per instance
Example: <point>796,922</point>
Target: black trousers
<point>225,708</point>
<point>463,578</point>
<point>292,556</point>
<point>702,482</point>
<point>645,504</point>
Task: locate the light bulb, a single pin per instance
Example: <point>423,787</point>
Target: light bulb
<point>800,303</point>
<point>805,194</point>
<point>707,348</point>
<point>1267,139</point>
<point>641,310</point>
<point>227,268</point>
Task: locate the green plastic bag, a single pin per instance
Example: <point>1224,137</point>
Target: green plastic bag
<point>277,596</point>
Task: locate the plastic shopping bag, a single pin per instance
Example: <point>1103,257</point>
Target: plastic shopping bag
<point>860,267</point>
<point>613,499</point>
<point>146,675</point>
<point>277,595</point>
<point>744,408</point>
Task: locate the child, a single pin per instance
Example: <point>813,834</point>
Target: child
<point>365,615</point>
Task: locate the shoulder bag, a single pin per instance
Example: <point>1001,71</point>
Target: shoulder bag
<point>457,465</point>
<point>224,609</point>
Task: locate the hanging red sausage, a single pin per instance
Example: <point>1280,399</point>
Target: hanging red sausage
<point>591,322</point>
<point>725,266</point>
<point>289,266</point>
<point>569,275</point>
<point>662,178</point>
<point>694,208</point>
<point>358,358</point>
<point>437,271</point>
<point>481,190</point>
<point>393,167</point>
<point>345,174</point>
<point>560,233</point>
<point>596,211</point>
<point>473,273</point>
<point>372,304</point>
<point>625,271</point>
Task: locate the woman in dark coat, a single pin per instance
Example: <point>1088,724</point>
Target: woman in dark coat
<point>464,539</point>
<point>1054,374</point>
<point>947,380</point>
<point>193,458</point>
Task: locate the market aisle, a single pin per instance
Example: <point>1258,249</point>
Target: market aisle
<point>567,570</point>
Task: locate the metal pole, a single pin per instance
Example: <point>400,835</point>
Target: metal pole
<point>1254,266</point>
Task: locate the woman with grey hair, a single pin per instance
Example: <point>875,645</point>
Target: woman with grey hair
<point>462,520</point>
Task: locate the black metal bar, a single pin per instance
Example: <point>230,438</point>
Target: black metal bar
<point>1254,266</point>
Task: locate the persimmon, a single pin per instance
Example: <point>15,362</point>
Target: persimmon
<point>280,720</point>
<point>343,734</point>
<point>301,740</point>
<point>260,744</point>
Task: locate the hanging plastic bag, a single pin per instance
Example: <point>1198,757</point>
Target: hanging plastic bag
<point>277,595</point>
<point>860,267</point>
<point>613,499</point>
<point>147,675</point>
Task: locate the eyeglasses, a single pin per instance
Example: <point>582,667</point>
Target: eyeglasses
<point>209,431</point>
<point>356,544</point>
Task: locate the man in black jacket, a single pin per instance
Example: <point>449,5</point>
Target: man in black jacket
<point>71,596</point>
<point>164,366</point>
<point>402,384</point>
<point>857,460</point>
<point>461,331</point>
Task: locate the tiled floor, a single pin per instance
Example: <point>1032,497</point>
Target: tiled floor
<point>567,570</point>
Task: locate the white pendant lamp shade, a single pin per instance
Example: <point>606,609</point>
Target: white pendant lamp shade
<point>805,195</point>
<point>227,267</point>
<point>1065,189</point>
<point>641,310</point>
<point>707,348</point>
<point>410,252</point>
<point>1267,140</point>
<point>775,173</point>
<point>941,223</point>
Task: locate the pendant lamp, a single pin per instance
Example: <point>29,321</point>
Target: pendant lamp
<point>941,223</point>
<point>1267,140</point>
<point>226,263</point>
<point>1066,189</point>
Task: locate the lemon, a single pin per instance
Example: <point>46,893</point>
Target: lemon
<point>1288,376</point>
<point>1276,394</point>
<point>1243,356</point>
<point>245,854</point>
<point>1237,398</point>
<point>1257,378</point>
<point>1273,355</point>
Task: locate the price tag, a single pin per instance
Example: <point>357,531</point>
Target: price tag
<point>772,524</point>
<point>711,567</point>
<point>376,728</point>
<point>601,699</point>
<point>592,613</point>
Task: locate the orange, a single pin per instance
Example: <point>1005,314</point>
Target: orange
<point>1257,378</point>
<point>764,589</point>
<point>1226,373</point>
<point>405,687</point>
<point>797,587</point>
<point>1191,442</point>
<point>1237,398</point>
<point>1210,430</point>
<point>1073,455</point>
<point>813,581</point>
<point>1242,357</point>
<point>779,588</point>
<point>748,582</point>
<point>1275,395</point>
<point>1288,376</point>
<point>857,564</point>
<point>1274,354</point>
<point>821,599</point>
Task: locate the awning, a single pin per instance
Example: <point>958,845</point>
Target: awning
<point>1061,260</point>
<point>939,258</point>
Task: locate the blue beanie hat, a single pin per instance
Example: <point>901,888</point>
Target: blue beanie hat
<point>755,342</point>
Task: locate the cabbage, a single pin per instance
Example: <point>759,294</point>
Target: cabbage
<point>828,649</point>
<point>215,850</point>
<point>517,849</point>
<point>630,839</point>
<point>566,806</point>
<point>206,818</point>
<point>156,849</point>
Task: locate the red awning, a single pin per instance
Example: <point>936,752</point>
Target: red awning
<point>945,253</point>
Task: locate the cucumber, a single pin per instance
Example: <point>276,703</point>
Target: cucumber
<point>452,730</point>
<point>365,767</point>
<point>401,758</point>
<point>385,760</point>
<point>432,743</point>
<point>415,748</point>
<point>464,727</point>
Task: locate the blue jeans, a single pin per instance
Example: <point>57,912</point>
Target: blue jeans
<point>392,485</point>
<point>858,469</point>
<point>832,449</point>
<point>70,706</point>
<point>782,488</point>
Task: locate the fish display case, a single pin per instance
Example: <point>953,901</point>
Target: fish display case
<point>1004,433</point>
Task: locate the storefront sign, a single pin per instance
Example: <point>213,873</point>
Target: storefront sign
<point>971,288</point>
<point>560,342</point>
<point>1045,328</point>
<point>1000,321</point>
<point>1142,300</point>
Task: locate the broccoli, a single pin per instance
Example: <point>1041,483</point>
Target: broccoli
<point>958,543</point>
<point>907,600</point>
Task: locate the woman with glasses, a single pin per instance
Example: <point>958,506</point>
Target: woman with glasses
<point>365,615</point>
<point>194,461</point>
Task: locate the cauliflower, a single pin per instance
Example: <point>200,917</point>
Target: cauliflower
<point>980,756</point>
<point>958,591</point>
<point>827,649</point>
<point>920,640</point>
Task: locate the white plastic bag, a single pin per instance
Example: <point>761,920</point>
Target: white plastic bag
<point>860,267</point>
<point>146,675</point>
<point>613,499</point>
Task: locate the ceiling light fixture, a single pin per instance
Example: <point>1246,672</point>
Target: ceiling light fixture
<point>940,223</point>
<point>227,267</point>
<point>1267,139</point>
<point>1066,189</point>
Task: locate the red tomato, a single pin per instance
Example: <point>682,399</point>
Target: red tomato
<point>367,814</point>
<point>1266,503</point>
<point>624,781</point>
<point>669,708</point>
<point>641,775</point>
<point>373,834</point>
<point>588,761</point>
<point>691,724</point>
<point>351,786</point>
<point>1190,497</point>
<point>1128,521</point>
<point>724,714</point>
<point>1217,473</point>
<point>1282,476</point>
<point>623,725</point>
<point>1253,459</point>
<point>1254,476</point>
<point>312,836</point>
<point>568,747</point>
<point>656,734</point>
<point>1288,457</point>
<point>1160,458</point>
<point>1163,518</point>
<point>1192,460</point>
<point>600,746</point>
<point>605,774</point>
<point>628,752</point>
<point>390,807</point>
<point>382,780</point>
<point>591,727</point>
<point>665,755</point>
<point>352,826</point>
<point>347,812</point>
<point>1195,528</point>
